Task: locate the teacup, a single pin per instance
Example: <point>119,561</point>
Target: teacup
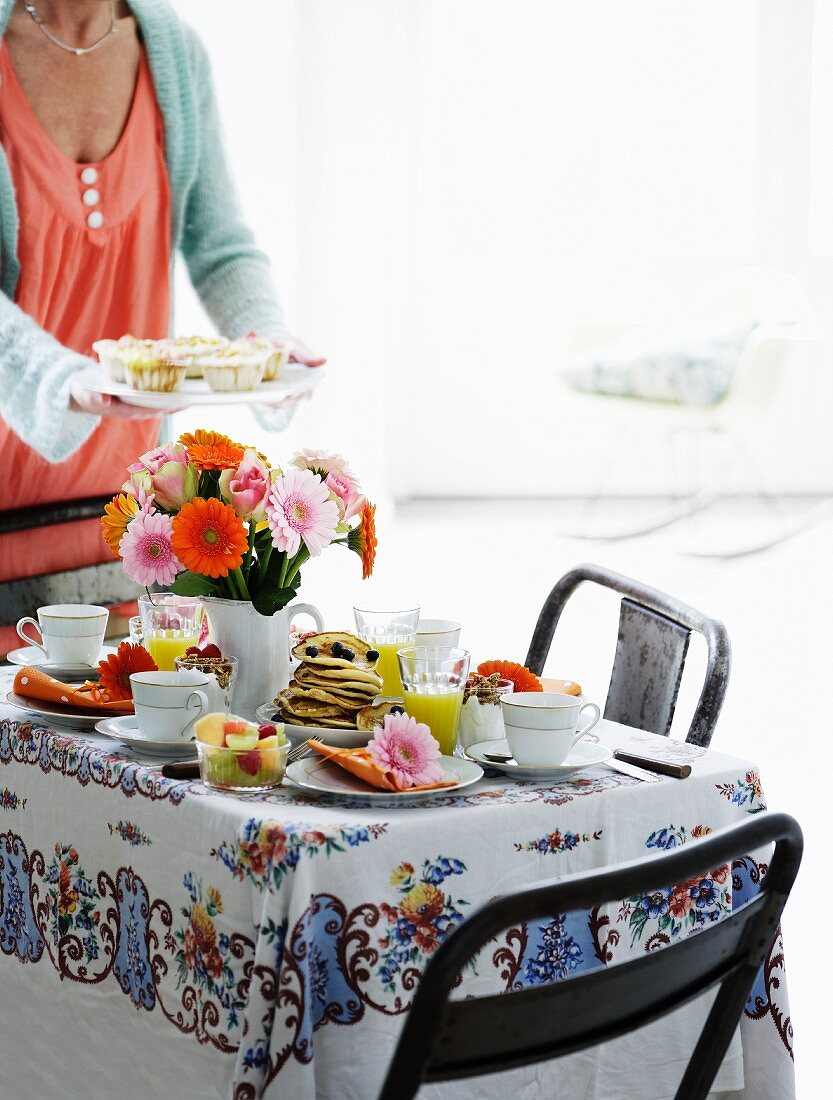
<point>438,632</point>
<point>542,727</point>
<point>70,633</point>
<point>168,704</point>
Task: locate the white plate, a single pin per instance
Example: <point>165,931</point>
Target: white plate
<point>582,756</point>
<point>54,714</point>
<point>127,731</point>
<point>323,776</point>
<point>31,655</point>
<point>338,738</point>
<point>295,380</point>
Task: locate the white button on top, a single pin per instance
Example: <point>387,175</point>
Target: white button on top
<point>91,197</point>
<point>95,219</point>
<point>89,175</point>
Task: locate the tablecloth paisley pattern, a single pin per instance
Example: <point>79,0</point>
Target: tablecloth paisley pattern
<point>269,946</point>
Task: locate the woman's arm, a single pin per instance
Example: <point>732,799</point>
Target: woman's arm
<point>36,375</point>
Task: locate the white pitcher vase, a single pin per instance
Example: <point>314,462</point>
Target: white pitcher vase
<point>261,645</point>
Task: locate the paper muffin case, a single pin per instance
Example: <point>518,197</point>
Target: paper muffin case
<point>275,363</point>
<point>156,377</point>
<point>108,355</point>
<point>225,375</point>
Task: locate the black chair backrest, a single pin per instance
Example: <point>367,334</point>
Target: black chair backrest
<point>105,584</point>
<point>444,1039</point>
<point>651,650</point>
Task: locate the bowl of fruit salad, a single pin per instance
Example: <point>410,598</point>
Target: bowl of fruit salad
<point>236,755</point>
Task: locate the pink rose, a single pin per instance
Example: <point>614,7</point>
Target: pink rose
<point>152,460</point>
<point>344,486</point>
<point>164,474</point>
<point>246,487</point>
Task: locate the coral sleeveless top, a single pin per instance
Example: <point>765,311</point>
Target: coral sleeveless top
<point>94,250</point>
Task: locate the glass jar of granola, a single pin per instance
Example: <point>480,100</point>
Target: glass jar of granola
<point>481,718</point>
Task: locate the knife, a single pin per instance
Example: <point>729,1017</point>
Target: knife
<point>653,764</point>
<point>632,771</point>
<point>181,769</point>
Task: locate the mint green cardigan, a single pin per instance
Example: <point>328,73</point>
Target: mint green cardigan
<point>230,274</point>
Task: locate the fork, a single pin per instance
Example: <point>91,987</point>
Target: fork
<point>300,752</point>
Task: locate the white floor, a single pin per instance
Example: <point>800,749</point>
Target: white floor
<point>490,565</point>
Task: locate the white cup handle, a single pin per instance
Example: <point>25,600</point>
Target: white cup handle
<point>26,638</point>
<point>202,699</point>
<point>586,729</point>
<point>308,609</point>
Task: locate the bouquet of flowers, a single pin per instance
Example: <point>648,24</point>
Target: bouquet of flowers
<point>209,517</point>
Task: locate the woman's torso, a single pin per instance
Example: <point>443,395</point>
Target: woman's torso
<point>89,270</point>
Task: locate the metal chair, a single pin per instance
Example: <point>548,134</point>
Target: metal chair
<point>105,584</point>
<point>445,1040</point>
<point>654,632</point>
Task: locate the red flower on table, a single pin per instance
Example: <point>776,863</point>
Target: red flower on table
<point>680,902</point>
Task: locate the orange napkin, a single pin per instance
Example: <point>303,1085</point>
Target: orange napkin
<point>362,764</point>
<point>561,687</point>
<point>35,684</point>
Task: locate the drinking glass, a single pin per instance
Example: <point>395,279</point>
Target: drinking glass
<point>170,624</point>
<point>434,678</point>
<point>135,627</point>
<point>387,631</point>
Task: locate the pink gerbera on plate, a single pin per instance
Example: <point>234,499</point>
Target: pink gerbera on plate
<point>406,749</point>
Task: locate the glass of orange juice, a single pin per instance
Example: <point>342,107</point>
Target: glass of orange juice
<point>387,632</point>
<point>434,678</point>
<point>170,624</point>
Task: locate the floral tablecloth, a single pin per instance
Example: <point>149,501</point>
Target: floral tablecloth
<point>157,940</point>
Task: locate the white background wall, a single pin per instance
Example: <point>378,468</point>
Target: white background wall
<point>446,188</point>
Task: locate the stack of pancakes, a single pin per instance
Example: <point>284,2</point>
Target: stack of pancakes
<point>335,691</point>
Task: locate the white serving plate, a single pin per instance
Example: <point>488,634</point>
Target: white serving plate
<point>31,655</point>
<point>127,731</point>
<point>295,381</point>
<point>54,714</point>
<point>338,738</point>
<point>581,756</point>
<point>314,773</point>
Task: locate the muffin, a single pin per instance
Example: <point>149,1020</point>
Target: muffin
<point>107,352</point>
<point>276,351</point>
<point>234,368</point>
<point>198,347</point>
<point>156,369</point>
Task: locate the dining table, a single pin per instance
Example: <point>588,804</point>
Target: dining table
<point>159,939</point>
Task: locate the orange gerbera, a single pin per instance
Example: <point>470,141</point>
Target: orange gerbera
<point>212,450</point>
<point>117,514</point>
<point>114,672</point>
<point>366,538</point>
<point>521,677</point>
<point>209,538</point>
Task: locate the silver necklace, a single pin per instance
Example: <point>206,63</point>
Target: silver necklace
<point>79,51</point>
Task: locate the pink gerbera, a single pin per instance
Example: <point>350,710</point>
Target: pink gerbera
<point>406,750</point>
<point>300,506</point>
<point>147,552</point>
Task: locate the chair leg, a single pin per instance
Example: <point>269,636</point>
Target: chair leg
<point>716,1035</point>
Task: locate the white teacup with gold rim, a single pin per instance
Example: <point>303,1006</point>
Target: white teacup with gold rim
<point>167,704</point>
<point>70,633</point>
<point>542,727</point>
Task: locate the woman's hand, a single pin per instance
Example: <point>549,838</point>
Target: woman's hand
<point>104,404</point>
<point>302,354</point>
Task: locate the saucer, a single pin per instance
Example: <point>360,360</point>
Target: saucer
<point>581,756</point>
<point>31,655</point>
<point>127,731</point>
